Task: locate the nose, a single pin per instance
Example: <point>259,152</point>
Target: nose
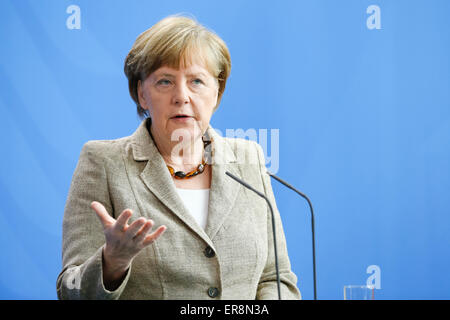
<point>181,94</point>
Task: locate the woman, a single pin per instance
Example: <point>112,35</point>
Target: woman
<point>213,239</point>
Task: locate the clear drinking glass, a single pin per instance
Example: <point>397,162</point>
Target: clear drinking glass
<point>359,292</point>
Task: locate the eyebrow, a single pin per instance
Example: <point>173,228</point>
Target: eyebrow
<point>189,74</point>
<point>166,75</point>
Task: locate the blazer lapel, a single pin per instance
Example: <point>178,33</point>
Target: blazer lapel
<point>224,190</point>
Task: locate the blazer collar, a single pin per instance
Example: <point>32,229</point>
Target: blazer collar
<point>156,177</point>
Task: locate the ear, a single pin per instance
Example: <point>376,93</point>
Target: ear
<point>141,97</point>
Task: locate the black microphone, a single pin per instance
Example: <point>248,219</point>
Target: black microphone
<point>312,226</point>
<point>273,225</point>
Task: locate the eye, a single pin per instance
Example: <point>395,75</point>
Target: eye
<point>163,82</point>
<point>197,81</point>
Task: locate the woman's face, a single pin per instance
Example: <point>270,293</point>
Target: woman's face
<point>179,101</point>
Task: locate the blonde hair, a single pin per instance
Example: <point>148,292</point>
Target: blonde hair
<point>176,41</point>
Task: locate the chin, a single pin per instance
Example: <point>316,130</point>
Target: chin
<point>185,131</point>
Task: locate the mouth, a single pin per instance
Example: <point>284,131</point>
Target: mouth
<point>181,117</point>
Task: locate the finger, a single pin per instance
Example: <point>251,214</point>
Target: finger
<point>133,229</point>
<point>155,235</point>
<point>102,214</point>
<point>140,235</point>
<point>122,220</point>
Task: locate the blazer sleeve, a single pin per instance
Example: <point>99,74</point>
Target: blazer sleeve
<point>267,287</point>
<point>83,237</point>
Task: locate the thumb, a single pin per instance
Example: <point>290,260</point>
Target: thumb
<point>102,214</point>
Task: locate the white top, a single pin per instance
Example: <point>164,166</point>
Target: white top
<point>196,201</point>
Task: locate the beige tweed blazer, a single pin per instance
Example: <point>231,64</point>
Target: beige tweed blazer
<point>232,258</point>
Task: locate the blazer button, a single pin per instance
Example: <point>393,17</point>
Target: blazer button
<point>209,252</point>
<point>213,292</point>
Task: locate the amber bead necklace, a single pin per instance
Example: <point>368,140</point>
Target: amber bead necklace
<point>190,174</point>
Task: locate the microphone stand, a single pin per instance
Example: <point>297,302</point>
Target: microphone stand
<point>273,225</point>
<point>312,226</point>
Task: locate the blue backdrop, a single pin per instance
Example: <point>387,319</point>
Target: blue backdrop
<point>360,97</point>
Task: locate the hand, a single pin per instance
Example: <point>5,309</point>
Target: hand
<point>123,241</point>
